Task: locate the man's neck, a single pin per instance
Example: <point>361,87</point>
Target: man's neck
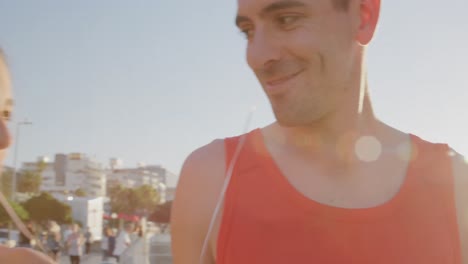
<point>334,137</point>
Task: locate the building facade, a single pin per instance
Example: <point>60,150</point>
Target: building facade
<point>69,172</point>
<point>155,176</point>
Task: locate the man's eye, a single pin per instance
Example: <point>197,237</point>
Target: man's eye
<point>247,33</point>
<point>287,20</point>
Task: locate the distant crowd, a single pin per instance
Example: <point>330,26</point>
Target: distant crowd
<point>72,241</point>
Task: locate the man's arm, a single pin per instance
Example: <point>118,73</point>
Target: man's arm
<point>460,169</point>
<point>128,240</point>
<point>197,193</point>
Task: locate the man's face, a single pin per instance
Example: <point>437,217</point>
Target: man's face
<point>302,52</point>
<point>129,228</point>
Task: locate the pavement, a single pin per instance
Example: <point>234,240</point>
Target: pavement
<point>160,249</point>
<point>94,257</point>
<point>159,246</point>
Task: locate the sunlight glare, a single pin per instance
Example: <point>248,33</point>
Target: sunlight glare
<point>368,148</point>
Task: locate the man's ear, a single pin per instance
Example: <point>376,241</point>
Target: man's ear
<point>369,12</point>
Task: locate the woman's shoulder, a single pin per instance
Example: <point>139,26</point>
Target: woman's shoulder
<point>22,255</point>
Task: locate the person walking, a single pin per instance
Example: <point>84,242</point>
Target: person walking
<point>53,240</point>
<point>75,245</point>
<point>88,240</point>
<point>123,241</point>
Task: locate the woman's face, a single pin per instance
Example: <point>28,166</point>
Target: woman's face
<point>6,107</point>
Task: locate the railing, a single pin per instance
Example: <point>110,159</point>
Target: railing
<point>137,253</point>
<point>160,249</point>
<point>155,248</point>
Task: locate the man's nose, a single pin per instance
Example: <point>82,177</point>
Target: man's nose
<point>263,50</point>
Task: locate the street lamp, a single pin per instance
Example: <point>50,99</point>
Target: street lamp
<point>15,158</point>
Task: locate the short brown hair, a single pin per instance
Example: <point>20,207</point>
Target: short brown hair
<point>341,5</point>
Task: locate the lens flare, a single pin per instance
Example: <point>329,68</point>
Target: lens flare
<point>368,148</point>
<point>405,151</point>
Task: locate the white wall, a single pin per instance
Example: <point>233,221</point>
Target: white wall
<point>89,212</point>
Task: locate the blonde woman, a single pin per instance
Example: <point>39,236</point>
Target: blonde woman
<point>53,240</point>
<point>9,255</point>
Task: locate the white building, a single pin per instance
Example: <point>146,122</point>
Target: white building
<point>155,176</point>
<point>89,212</point>
<point>67,173</point>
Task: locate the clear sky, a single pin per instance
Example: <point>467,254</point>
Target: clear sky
<point>149,81</point>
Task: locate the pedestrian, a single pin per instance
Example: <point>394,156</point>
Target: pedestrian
<point>138,232</point>
<point>68,230</point>
<point>53,240</point>
<point>111,243</point>
<point>75,245</point>
<point>88,240</point>
<point>327,182</point>
<point>123,241</point>
<point>107,246</point>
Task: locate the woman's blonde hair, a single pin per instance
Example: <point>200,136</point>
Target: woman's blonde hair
<point>5,81</point>
<point>4,72</point>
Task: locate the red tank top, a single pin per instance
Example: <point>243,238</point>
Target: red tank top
<point>267,221</point>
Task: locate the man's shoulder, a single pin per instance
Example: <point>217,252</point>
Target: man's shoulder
<point>202,168</point>
<point>207,164</point>
<point>460,165</point>
<point>460,172</point>
<point>426,143</point>
<point>205,155</point>
<point>197,194</point>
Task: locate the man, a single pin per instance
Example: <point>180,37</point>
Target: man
<point>74,244</point>
<point>123,241</point>
<point>68,231</point>
<point>327,182</point>
<point>8,255</point>
<point>88,240</point>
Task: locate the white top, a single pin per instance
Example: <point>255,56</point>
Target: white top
<point>121,243</point>
<point>75,242</point>
<point>66,233</point>
<point>105,243</point>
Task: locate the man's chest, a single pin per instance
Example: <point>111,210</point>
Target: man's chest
<point>368,186</point>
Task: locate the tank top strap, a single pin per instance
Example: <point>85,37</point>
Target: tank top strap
<point>241,151</point>
<point>432,162</point>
